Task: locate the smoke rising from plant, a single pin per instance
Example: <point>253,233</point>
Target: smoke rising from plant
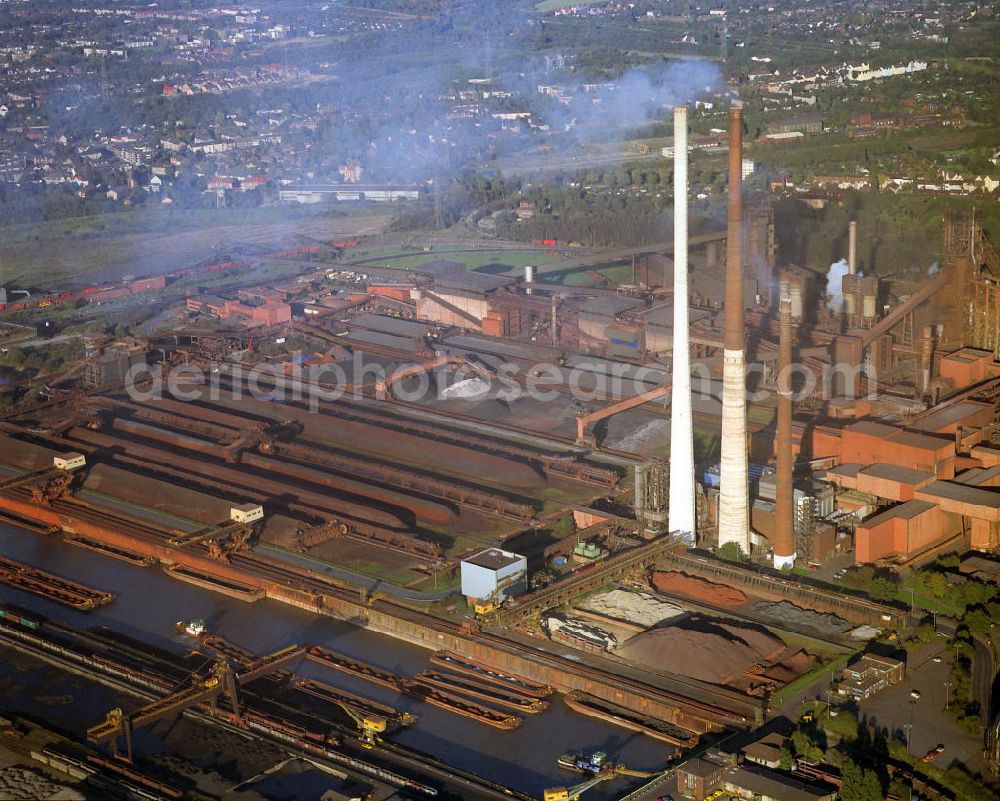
<point>835,285</point>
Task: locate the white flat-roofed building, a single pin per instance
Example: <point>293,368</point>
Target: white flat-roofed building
<point>69,461</point>
<point>494,573</point>
<point>246,512</point>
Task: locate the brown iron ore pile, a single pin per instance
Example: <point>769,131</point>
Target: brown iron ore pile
<point>699,589</point>
<point>703,648</point>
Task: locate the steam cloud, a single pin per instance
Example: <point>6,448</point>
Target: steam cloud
<point>834,285</point>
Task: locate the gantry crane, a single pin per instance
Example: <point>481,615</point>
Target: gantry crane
<point>221,679</point>
<point>370,725</point>
<point>606,773</point>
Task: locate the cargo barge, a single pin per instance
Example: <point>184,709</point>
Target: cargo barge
<point>470,667</point>
<point>109,550</point>
<point>594,707</point>
<point>336,695</point>
<point>353,667</point>
<point>460,706</point>
<point>242,592</point>
<point>53,588</point>
<point>495,696</point>
<point>225,648</point>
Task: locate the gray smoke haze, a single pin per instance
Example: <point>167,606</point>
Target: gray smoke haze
<point>636,98</point>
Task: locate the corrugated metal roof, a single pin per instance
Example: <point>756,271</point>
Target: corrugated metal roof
<point>891,472</point>
<point>905,511</point>
<point>951,415</point>
<point>963,493</point>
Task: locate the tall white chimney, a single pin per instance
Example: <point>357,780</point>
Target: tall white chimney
<point>734,491</point>
<point>681,519</point>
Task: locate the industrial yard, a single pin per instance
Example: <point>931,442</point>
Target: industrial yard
<point>306,512</point>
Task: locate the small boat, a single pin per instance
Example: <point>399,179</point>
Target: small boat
<point>193,628</point>
<point>582,763</point>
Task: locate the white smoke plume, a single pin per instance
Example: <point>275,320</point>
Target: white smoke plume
<point>835,285</point>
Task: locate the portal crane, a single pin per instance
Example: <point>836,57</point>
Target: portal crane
<point>370,725</point>
<point>571,793</point>
<point>606,773</point>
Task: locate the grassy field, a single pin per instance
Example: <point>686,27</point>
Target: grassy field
<point>552,5</point>
<point>104,247</point>
<point>512,259</point>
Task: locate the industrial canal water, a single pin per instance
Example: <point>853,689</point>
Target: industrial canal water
<point>148,604</point>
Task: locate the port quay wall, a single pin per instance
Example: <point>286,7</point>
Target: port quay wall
<point>498,653</point>
<point>412,626</point>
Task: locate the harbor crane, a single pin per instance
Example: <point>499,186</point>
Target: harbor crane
<point>222,679</point>
<point>370,725</point>
<point>571,793</point>
<point>606,773</point>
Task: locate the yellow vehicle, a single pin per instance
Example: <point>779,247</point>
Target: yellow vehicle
<point>369,726</point>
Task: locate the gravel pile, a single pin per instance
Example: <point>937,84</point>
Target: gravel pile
<point>639,608</point>
<point>24,784</point>
<point>794,616</point>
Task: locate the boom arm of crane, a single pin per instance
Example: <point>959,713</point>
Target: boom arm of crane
<point>370,726</point>
<point>571,793</point>
<point>589,418</point>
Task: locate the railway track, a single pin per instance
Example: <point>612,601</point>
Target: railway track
<point>309,454</point>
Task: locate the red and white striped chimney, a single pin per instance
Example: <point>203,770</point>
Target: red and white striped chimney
<point>734,496</point>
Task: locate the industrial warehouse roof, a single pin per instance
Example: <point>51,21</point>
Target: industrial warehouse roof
<point>609,306</point>
<point>904,511</point>
<point>978,476</point>
<point>891,472</point>
<point>963,493</point>
<point>664,315</point>
<point>849,470</point>
<point>473,282</point>
<point>390,325</point>
<point>440,268</point>
<point>900,436</point>
<point>771,784</point>
<point>951,415</point>
<point>494,559</point>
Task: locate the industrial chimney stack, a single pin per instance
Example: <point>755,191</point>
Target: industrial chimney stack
<point>852,248</point>
<point>734,501</point>
<point>681,519</point>
<point>783,543</point>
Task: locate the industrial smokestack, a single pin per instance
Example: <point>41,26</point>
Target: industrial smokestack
<point>783,543</point>
<point>926,360</point>
<point>681,519</point>
<point>734,501</point>
<point>852,248</point>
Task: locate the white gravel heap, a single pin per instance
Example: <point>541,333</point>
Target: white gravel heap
<point>469,388</point>
<point>639,608</point>
<point>18,783</point>
<point>582,629</point>
<point>865,632</point>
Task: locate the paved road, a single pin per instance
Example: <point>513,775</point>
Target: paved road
<point>351,577</point>
<point>984,671</point>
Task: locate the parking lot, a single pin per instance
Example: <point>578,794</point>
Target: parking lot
<point>894,708</point>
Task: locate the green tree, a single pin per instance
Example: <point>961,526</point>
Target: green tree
<point>882,589</point>
<point>731,552</point>
<point>564,526</point>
